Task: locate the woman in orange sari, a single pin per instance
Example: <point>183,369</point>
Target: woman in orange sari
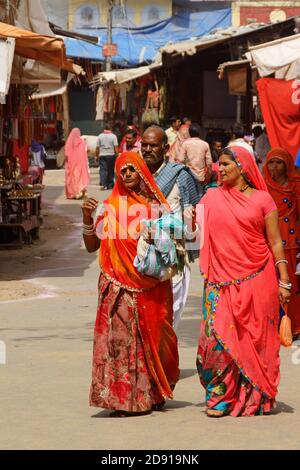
<point>135,359</point>
<point>238,351</point>
<point>284,186</point>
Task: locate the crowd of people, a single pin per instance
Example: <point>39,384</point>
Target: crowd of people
<point>235,206</point>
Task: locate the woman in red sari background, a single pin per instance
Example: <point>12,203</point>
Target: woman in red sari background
<point>238,352</point>
<point>284,186</point>
<point>135,359</point>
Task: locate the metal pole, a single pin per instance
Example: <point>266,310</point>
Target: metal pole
<point>238,121</point>
<point>109,32</point>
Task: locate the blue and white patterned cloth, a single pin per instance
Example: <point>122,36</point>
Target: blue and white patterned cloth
<point>190,188</point>
<point>159,259</point>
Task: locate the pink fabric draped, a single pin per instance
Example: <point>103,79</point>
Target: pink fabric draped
<point>76,167</point>
<point>235,248</point>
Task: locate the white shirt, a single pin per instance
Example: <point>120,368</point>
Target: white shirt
<point>173,197</point>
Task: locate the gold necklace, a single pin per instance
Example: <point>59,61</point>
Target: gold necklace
<point>244,188</point>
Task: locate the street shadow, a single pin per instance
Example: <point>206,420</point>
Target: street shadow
<point>170,405</point>
<point>174,404</point>
<point>282,408</point>
<point>186,373</point>
<point>201,405</point>
<point>58,251</point>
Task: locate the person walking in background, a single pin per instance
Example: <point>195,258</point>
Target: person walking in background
<point>261,146</point>
<point>238,351</point>
<point>284,186</point>
<point>135,357</point>
<point>213,179</point>
<point>38,158</point>
<point>172,131</point>
<point>130,142</point>
<point>76,166</point>
<point>216,149</point>
<point>106,153</point>
<point>238,138</point>
<point>187,121</point>
<point>183,135</point>
<point>195,153</point>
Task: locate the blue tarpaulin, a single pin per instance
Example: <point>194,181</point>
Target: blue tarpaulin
<point>138,46</point>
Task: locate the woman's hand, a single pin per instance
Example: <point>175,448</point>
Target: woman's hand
<point>149,235</point>
<point>88,206</point>
<point>189,218</point>
<point>284,295</point>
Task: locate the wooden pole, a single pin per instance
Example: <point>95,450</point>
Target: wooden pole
<point>248,110</point>
<point>109,32</point>
<point>66,111</point>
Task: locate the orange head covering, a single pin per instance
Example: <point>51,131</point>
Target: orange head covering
<point>133,159</point>
<point>123,210</point>
<point>282,194</point>
<point>284,156</point>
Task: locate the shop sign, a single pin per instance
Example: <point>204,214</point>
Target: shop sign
<point>109,50</point>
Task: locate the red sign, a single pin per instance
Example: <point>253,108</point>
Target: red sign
<point>109,50</point>
<point>280,105</point>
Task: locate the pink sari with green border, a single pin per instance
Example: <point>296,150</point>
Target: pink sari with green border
<point>238,354</point>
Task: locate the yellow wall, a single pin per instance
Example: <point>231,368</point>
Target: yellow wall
<point>136,6</point>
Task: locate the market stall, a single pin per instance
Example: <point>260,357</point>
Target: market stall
<point>20,205</point>
<point>138,93</point>
<point>24,120</point>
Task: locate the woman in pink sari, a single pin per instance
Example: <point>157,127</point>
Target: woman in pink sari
<point>76,166</point>
<point>238,352</point>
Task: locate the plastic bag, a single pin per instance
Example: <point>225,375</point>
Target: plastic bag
<point>160,259</point>
<point>150,115</point>
<point>285,330</point>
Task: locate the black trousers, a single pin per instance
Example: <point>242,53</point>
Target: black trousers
<point>106,170</point>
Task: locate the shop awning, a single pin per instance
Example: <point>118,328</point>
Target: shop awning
<point>123,76</point>
<point>7,48</point>
<point>281,56</point>
<point>47,90</point>
<point>221,36</point>
<point>47,49</point>
<point>83,49</point>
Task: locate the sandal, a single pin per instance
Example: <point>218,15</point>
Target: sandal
<point>118,414</point>
<point>125,414</point>
<point>158,406</point>
<point>214,413</point>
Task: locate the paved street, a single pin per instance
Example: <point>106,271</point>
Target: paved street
<point>48,336</point>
